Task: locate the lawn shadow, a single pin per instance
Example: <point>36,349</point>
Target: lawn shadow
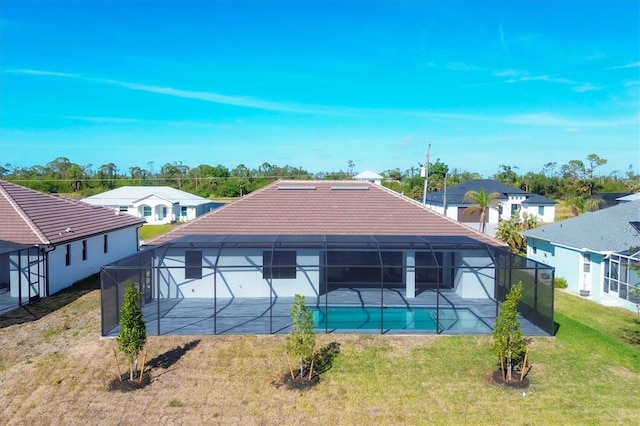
<point>43,307</point>
<point>325,356</point>
<point>632,332</point>
<point>172,356</point>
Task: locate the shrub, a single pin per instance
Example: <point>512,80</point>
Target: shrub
<point>560,282</point>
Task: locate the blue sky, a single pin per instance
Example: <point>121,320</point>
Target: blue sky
<point>316,84</point>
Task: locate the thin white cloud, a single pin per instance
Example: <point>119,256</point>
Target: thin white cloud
<point>503,42</point>
<point>619,67</point>
<point>549,120</point>
<point>213,97</point>
<point>508,73</point>
<point>44,73</point>
<point>102,119</point>
<point>586,87</point>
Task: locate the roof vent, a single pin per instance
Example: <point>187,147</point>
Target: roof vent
<point>297,187</point>
<point>350,188</point>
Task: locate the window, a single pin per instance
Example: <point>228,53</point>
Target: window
<point>67,256</point>
<point>164,211</point>
<point>105,244</point>
<point>282,265</point>
<point>146,211</point>
<point>193,264</point>
<point>183,211</point>
<point>540,210</point>
<point>363,267</point>
<point>84,250</point>
<point>123,209</point>
<point>586,266</point>
<point>515,208</point>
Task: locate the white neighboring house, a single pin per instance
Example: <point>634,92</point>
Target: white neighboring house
<point>452,203</point>
<point>48,242</point>
<point>594,252</point>
<point>369,176</point>
<point>155,204</point>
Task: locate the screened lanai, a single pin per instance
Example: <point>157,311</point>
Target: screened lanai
<point>245,284</point>
<point>22,275</point>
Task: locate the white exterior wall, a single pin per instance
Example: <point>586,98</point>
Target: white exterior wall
<point>239,274</point>
<point>475,277</point>
<point>549,212</point>
<point>157,205</point>
<point>513,200</point>
<point>121,243</point>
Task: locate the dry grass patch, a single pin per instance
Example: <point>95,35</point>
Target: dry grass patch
<point>62,377</point>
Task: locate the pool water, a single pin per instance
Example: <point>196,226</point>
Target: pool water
<point>426,319</point>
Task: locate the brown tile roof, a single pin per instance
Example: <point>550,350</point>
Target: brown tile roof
<point>31,217</point>
<point>324,208</point>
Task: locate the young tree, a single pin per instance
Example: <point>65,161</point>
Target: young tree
<point>510,231</point>
<point>133,332</point>
<point>301,342</point>
<point>482,202</point>
<point>508,342</point>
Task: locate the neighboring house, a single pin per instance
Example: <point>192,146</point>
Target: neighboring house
<point>628,198</point>
<point>48,242</point>
<point>335,242</point>
<point>453,204</point>
<point>593,252</point>
<point>369,176</point>
<point>155,204</point>
<point>609,198</point>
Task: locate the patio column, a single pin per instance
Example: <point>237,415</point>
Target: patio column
<point>410,275</point>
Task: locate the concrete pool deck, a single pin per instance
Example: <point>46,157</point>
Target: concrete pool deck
<point>195,316</point>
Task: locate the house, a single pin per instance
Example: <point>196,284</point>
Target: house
<point>48,242</point>
<point>608,199</point>
<point>369,176</point>
<point>595,252</point>
<point>343,245</point>
<point>452,203</point>
<point>156,204</point>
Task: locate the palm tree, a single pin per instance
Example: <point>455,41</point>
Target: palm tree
<point>482,202</point>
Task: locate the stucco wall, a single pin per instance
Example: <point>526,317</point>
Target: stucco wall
<point>121,243</point>
<point>239,274</point>
<point>475,277</point>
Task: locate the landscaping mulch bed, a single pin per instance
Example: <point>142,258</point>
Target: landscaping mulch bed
<point>498,379</point>
<point>297,383</point>
<point>123,384</point>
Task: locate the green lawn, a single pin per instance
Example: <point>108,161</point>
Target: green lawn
<point>148,232</point>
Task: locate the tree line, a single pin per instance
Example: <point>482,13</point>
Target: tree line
<point>576,180</point>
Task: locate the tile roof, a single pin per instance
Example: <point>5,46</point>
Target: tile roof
<point>31,217</point>
<point>127,195</point>
<point>455,194</point>
<point>609,229</point>
<point>324,208</point>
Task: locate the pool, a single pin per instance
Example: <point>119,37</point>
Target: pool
<point>417,319</point>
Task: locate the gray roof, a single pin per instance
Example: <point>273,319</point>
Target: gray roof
<point>537,200</point>
<point>455,195</point>
<point>127,195</point>
<point>609,229</point>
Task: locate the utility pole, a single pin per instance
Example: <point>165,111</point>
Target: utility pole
<point>426,176</point>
